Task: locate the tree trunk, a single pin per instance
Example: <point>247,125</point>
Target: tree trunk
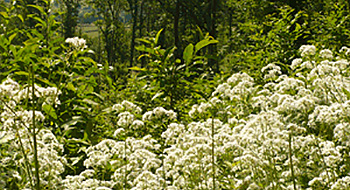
<point>176,30</point>
<point>134,12</point>
<point>214,64</point>
<point>230,22</point>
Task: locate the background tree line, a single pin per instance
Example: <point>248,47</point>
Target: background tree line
<point>245,31</point>
<point>242,28</point>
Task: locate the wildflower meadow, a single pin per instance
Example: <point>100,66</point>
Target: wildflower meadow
<point>279,119</point>
<point>290,133</point>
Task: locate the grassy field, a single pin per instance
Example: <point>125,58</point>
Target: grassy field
<point>90,29</point>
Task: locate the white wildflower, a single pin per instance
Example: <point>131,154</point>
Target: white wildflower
<point>296,62</point>
<point>77,43</point>
<point>271,71</point>
<point>307,50</point>
<point>326,53</point>
<point>345,50</point>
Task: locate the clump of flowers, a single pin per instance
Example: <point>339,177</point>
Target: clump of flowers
<point>77,43</point>
<point>290,133</point>
<point>307,50</point>
<point>16,129</point>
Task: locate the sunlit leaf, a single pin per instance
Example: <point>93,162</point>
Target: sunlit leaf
<point>203,44</point>
<point>188,53</point>
<point>49,110</point>
<point>157,36</point>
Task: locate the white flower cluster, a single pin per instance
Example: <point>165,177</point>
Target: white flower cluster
<point>126,106</point>
<point>159,113</point>
<point>86,181</point>
<point>307,50</point>
<point>326,53</point>
<point>271,71</point>
<point>16,130</point>
<point>77,43</point>
<point>257,148</point>
<point>238,87</point>
<point>132,161</point>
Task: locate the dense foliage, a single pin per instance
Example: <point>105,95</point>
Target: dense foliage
<point>175,95</point>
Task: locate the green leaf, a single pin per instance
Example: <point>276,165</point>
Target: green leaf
<point>12,36</point>
<point>157,95</point>
<point>75,120</point>
<point>157,36</point>
<point>21,18</point>
<point>135,68</point>
<point>347,93</point>
<point>39,8</point>
<point>203,44</point>
<point>143,40</point>
<point>22,73</point>
<point>4,14</point>
<point>98,96</point>
<point>90,102</point>
<point>49,110</point>
<point>71,87</point>
<point>46,81</point>
<point>143,55</point>
<point>75,160</point>
<point>145,49</point>
<point>188,53</point>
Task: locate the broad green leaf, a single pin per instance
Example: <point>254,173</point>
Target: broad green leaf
<point>4,14</point>
<point>188,53</point>
<point>49,110</point>
<point>347,93</point>
<point>145,49</point>
<point>71,87</point>
<point>203,44</point>
<point>12,36</point>
<point>20,17</point>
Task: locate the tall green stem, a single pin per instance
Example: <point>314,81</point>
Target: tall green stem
<point>213,151</point>
<point>125,166</point>
<point>36,163</point>
<point>290,159</point>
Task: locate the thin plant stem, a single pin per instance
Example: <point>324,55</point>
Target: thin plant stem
<point>213,151</point>
<point>164,183</point>
<point>290,158</point>
<point>36,163</point>
<point>125,166</point>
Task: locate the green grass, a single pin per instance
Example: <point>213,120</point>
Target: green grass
<point>90,29</point>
